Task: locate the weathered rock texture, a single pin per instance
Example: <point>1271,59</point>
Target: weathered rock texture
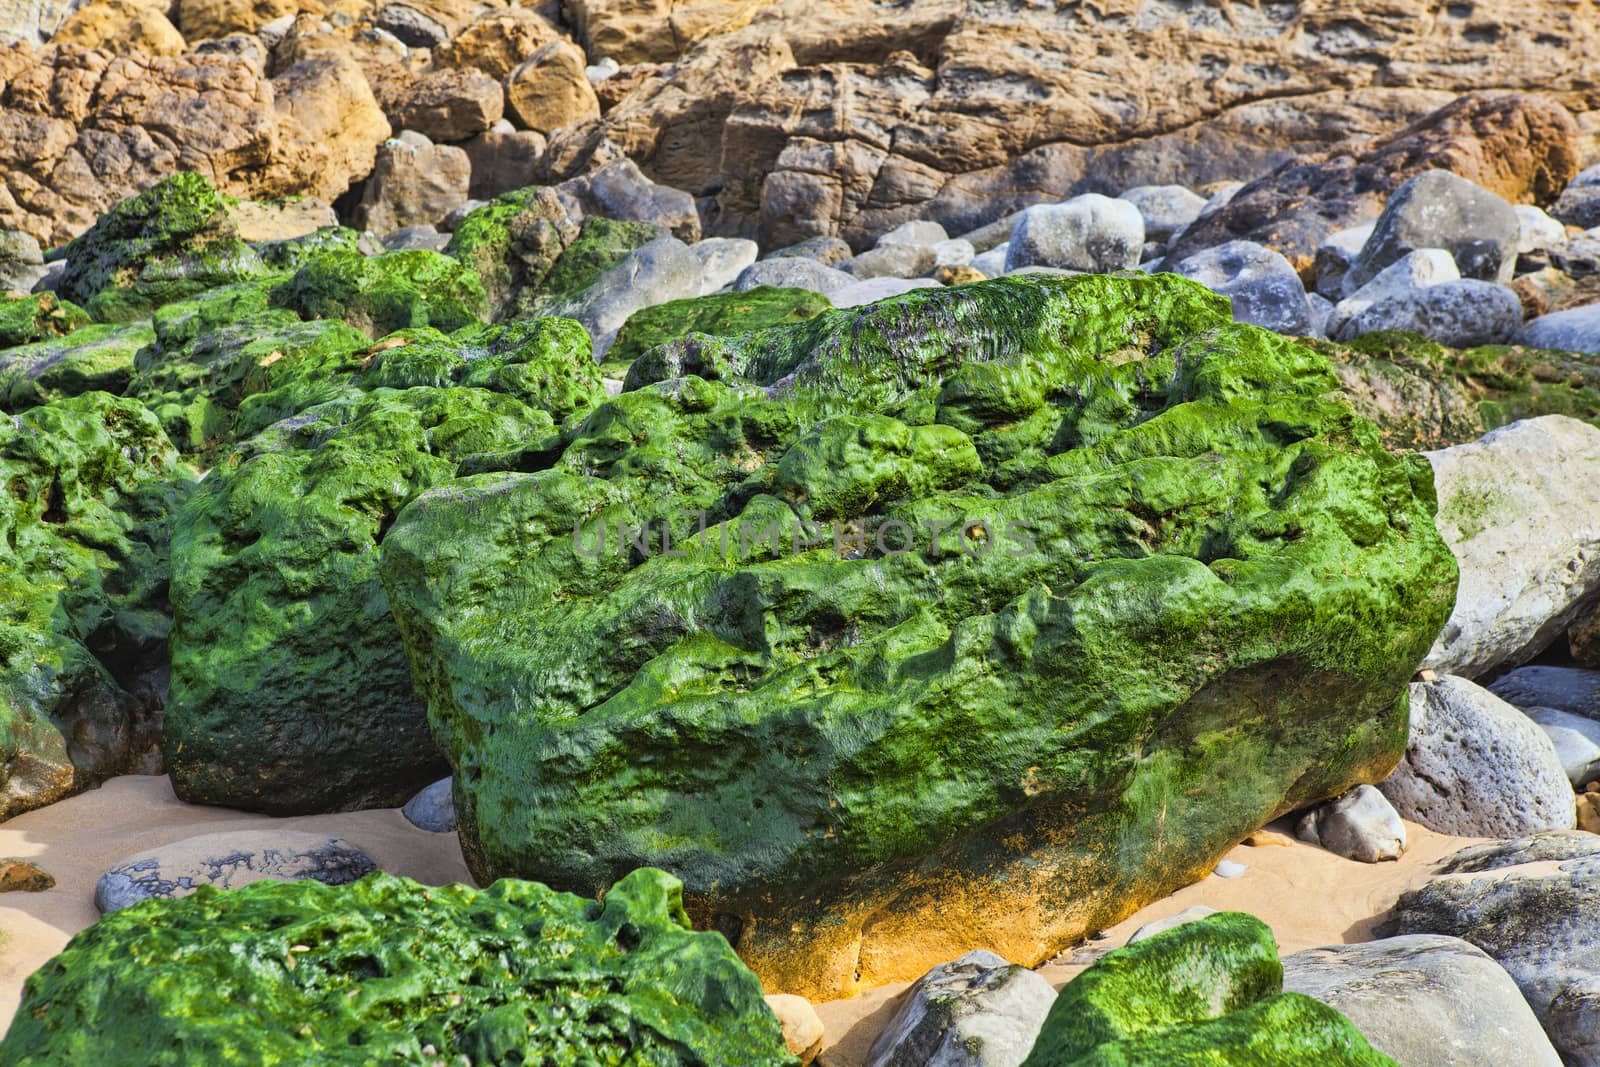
<point>837,118</point>
<point>80,130</point>
<point>866,761</point>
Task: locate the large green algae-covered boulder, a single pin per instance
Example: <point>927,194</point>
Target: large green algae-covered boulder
<point>99,358</point>
<point>719,315</point>
<point>87,486</point>
<point>1162,586</point>
<point>389,971</point>
<point>381,294</point>
<point>173,240</point>
<point>290,691</point>
<point>1207,994</point>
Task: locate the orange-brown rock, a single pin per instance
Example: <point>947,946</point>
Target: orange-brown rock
<point>655,31</point>
<point>549,90</point>
<point>1521,146</point>
<point>123,26</point>
<point>497,42</point>
<point>329,128</point>
<point>202,20</point>
<point>80,130</point>
<point>1023,103</point>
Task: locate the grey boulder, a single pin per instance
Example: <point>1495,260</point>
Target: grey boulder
<point>654,273</point>
<point>1533,905</point>
<point>1565,688</point>
<point>229,860</point>
<point>1458,314</point>
<point>21,261</point>
<point>893,261</point>
<point>722,260</point>
<point>1477,767</point>
<point>1425,1000</point>
<point>875,289</point>
<point>1520,509</point>
<point>1263,286</point>
<point>1171,922</point>
<point>1087,233</point>
<point>1334,257</point>
<point>977,1011</point>
<point>792,272</point>
<point>1576,740</point>
<point>1579,204</point>
<point>1415,270</point>
<point>1574,330</point>
<point>1167,210</point>
<point>1437,209</point>
<point>433,808</point>
<point>920,232</point>
<point>1361,825</point>
<point>621,191</point>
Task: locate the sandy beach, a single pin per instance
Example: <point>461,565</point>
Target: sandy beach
<point>1307,895</point>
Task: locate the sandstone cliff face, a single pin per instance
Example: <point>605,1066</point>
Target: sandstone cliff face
<point>850,117</point>
<point>81,129</point>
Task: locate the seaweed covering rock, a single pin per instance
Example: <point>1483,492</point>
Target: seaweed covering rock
<point>390,971</point>
<point>992,581</point>
<point>89,484</point>
<point>1208,992</point>
<point>290,691</point>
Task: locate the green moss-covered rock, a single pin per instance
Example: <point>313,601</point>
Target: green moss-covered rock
<point>173,240</point>
<point>720,315</point>
<point>388,971</point>
<point>599,246</point>
<point>292,253</point>
<point>512,242</point>
<point>290,690</point>
<point>1207,994</point>
<point>87,486</point>
<point>225,365</point>
<point>1162,586</point>
<point>37,317</point>
<point>93,358</point>
<point>1423,395</point>
<point>381,294</point>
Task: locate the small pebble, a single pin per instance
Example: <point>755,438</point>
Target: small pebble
<point>1229,869</point>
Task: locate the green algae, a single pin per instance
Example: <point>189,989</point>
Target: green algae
<point>381,294</point>
<point>171,241</point>
<point>292,253</point>
<point>89,486</point>
<point>25,320</point>
<point>386,970</point>
<point>1157,567</point>
<point>290,691</point>
<point>1423,395</point>
<point>512,243</point>
<point>89,359</point>
<point>600,245</point>
<point>720,315</point>
<point>1206,993</point>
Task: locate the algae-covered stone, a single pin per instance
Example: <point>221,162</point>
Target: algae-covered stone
<point>290,691</point>
<point>600,245</point>
<point>1137,532</point>
<point>389,971</point>
<point>513,242</point>
<point>173,240</point>
<point>1424,395</point>
<point>39,317</point>
<point>1209,992</point>
<point>225,365</point>
<point>89,484</point>
<point>381,294</point>
<point>292,253</point>
<point>720,315</point>
<point>93,358</point>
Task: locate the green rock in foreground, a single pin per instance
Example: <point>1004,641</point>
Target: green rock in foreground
<point>1017,605</point>
<point>89,485</point>
<point>389,971</point>
<point>1207,994</point>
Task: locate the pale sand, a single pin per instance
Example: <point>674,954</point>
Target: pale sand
<point>78,839</point>
<point>1308,896</point>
